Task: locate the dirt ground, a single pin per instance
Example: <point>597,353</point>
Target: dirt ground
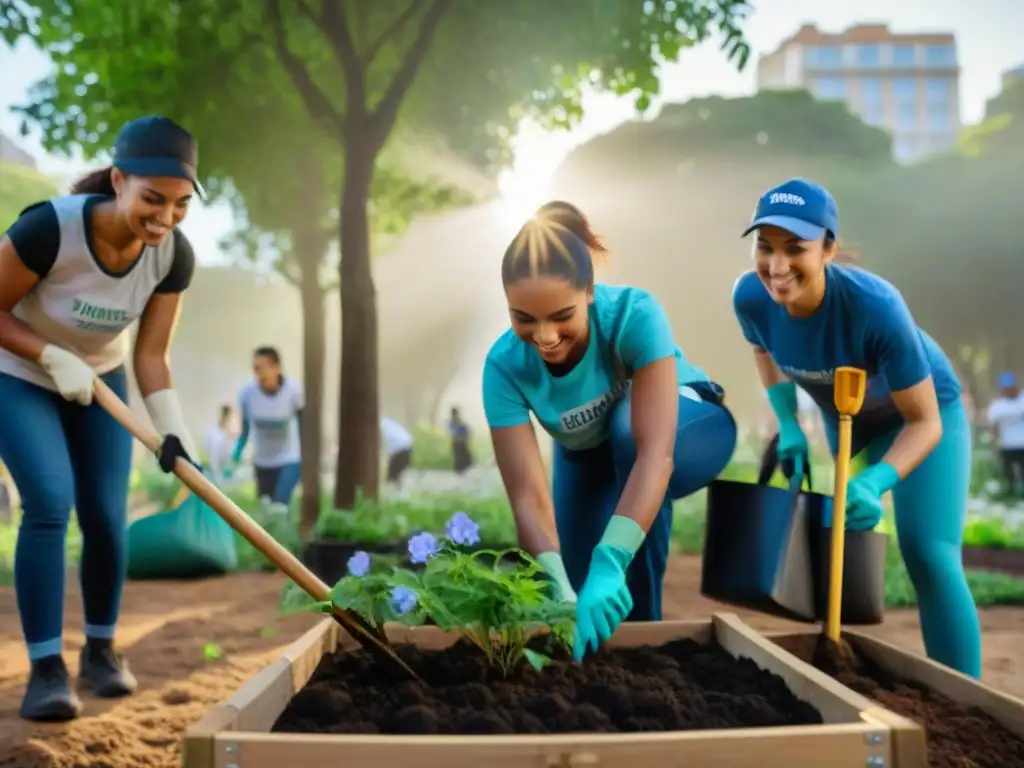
<point>166,626</point>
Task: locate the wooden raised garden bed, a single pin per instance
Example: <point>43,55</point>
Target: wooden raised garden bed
<point>967,723</point>
<point>734,698</point>
<point>1009,561</point>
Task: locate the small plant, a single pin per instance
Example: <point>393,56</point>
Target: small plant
<point>499,608</point>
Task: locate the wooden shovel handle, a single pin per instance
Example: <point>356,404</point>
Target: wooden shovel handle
<point>372,638</point>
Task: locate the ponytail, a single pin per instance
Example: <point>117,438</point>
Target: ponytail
<point>841,257</point>
<point>97,182</point>
<point>574,220</point>
<point>557,242</point>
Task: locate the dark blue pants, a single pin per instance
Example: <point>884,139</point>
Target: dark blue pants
<point>588,484</point>
<point>63,455</point>
<point>278,482</point>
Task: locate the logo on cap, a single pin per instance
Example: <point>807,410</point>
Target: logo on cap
<point>786,198</point>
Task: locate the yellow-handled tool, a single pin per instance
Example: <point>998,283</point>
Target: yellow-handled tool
<point>848,395</point>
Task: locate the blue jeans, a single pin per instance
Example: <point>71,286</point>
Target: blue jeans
<point>931,508</point>
<point>278,482</point>
<point>588,484</point>
<point>63,455</point>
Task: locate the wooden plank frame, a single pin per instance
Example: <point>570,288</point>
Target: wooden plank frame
<point>236,733</point>
<point>1006,710</point>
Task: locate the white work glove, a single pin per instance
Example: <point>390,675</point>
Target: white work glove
<point>165,411</point>
<point>73,376</point>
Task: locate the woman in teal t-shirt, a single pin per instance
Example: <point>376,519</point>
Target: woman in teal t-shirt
<point>635,425</point>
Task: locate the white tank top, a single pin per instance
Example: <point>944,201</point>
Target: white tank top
<point>78,304</point>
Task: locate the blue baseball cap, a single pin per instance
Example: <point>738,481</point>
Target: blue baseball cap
<point>799,206</point>
<point>1006,380</point>
<point>158,146</point>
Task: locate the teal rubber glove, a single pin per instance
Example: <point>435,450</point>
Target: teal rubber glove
<point>864,496</point>
<point>792,440</point>
<point>555,567</point>
<point>605,601</point>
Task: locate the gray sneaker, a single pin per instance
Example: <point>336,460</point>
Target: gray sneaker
<point>49,696</point>
<point>105,672</point>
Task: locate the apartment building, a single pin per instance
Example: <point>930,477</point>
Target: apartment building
<point>908,84</point>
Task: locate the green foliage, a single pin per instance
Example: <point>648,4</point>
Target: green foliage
<point>390,520</point>
<point>358,70</point>
<point>499,608</point>
<point>988,588</point>
<point>19,188</point>
<point>432,447</point>
<point>769,126</point>
<point>993,533</point>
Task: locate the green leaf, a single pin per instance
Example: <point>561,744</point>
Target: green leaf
<point>537,660</point>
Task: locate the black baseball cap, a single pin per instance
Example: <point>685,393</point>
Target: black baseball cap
<point>158,146</point>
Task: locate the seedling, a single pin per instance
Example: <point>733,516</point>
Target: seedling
<point>499,608</point>
<point>212,652</point>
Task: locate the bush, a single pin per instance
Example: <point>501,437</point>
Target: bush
<point>431,447</point>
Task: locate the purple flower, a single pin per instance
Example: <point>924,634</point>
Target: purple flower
<point>359,563</point>
<point>462,530</point>
<point>421,547</point>
<point>403,599</point>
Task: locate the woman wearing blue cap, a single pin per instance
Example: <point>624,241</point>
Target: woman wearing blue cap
<point>805,316</point>
<point>634,424</point>
<point>75,273</point>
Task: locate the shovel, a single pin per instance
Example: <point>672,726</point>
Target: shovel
<point>848,395</point>
<point>372,638</point>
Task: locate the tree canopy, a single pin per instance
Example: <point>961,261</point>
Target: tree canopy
<point>366,72</point>
<point>769,126</point>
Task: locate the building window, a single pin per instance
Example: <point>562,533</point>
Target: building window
<point>906,116</point>
<point>871,90</point>
<point>904,56</point>
<point>822,57</point>
<point>905,148</point>
<point>938,90</point>
<point>866,56</point>
<point>939,56</point>
<point>938,118</point>
<point>904,89</point>
<point>830,88</point>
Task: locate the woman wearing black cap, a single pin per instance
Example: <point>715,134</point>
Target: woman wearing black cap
<point>75,272</point>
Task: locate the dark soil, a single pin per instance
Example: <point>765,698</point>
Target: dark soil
<point>679,686</point>
<point>958,736</point>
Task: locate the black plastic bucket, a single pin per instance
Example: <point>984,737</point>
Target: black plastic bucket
<point>769,549</point>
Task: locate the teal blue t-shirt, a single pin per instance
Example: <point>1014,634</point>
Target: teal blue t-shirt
<point>625,323</point>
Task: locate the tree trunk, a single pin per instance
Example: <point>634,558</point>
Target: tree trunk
<point>314,350</point>
<point>358,465</point>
